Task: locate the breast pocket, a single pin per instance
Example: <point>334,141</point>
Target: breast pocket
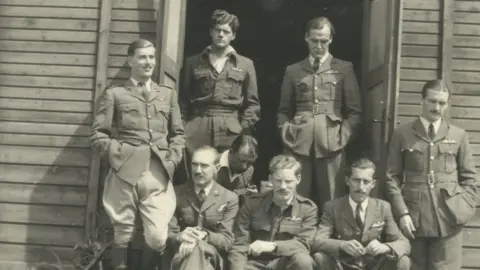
<point>162,115</point>
<point>129,114</point>
<point>291,227</point>
<point>235,79</point>
<point>203,81</point>
<point>414,158</point>
<point>302,89</point>
<point>448,157</point>
<point>332,82</point>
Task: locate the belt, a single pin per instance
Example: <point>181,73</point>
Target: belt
<point>215,111</point>
<point>318,108</point>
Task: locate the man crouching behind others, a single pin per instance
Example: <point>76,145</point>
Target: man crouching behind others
<point>358,231</point>
<point>273,229</point>
<point>201,229</point>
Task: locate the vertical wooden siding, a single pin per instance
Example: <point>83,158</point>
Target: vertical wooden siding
<point>47,68</point>
<point>425,54</point>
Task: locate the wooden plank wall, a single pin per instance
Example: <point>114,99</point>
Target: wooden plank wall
<point>47,67</point>
<point>131,20</point>
<point>421,60</point>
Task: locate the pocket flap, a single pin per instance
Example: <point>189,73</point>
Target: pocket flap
<point>453,189</point>
<point>201,73</point>
<point>236,75</point>
<point>127,107</point>
<point>447,149</point>
<point>161,108</point>
<point>413,148</point>
<point>234,126</point>
<point>335,118</point>
<point>331,78</point>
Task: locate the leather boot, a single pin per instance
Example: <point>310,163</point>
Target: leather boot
<point>119,257</point>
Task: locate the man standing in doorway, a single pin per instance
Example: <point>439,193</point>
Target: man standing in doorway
<point>218,92</point>
<point>431,182</point>
<point>319,113</point>
<point>142,156</point>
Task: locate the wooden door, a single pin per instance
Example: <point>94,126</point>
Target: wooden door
<point>170,40</point>
<point>379,48</point>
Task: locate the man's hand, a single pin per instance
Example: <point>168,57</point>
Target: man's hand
<point>189,235</point>
<point>375,248</point>
<point>199,233</point>
<point>186,248</point>
<point>258,247</point>
<point>252,189</point>
<point>353,248</point>
<point>407,227</point>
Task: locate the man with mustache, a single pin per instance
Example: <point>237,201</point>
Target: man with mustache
<point>319,113</point>
<point>431,182</point>
<point>201,229</point>
<point>218,89</point>
<point>236,167</point>
<point>142,156</point>
<point>358,231</point>
<point>273,230</point>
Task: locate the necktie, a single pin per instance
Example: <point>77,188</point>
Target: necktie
<point>358,217</point>
<point>316,64</point>
<point>143,89</point>
<point>431,132</point>
<point>202,196</point>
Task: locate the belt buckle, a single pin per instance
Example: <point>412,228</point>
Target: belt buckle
<point>316,109</point>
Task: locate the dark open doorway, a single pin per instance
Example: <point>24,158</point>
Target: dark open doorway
<point>274,38</point>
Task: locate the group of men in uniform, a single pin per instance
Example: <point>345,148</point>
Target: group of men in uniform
<point>315,213</point>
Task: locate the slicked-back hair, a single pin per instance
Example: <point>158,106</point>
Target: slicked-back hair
<point>361,163</point>
<point>282,162</point>
<point>221,17</point>
<point>137,44</point>
<point>436,85</point>
<point>245,143</point>
<point>319,23</point>
<point>208,148</point>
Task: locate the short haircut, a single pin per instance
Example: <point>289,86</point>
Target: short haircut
<point>220,17</point>
<point>208,148</point>
<point>137,44</point>
<point>282,162</point>
<point>436,85</point>
<point>245,143</point>
<point>319,23</point>
<point>361,163</point>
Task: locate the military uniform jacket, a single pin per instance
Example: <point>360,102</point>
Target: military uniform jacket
<point>216,215</point>
<point>234,89</point>
<point>321,108</point>
<point>434,181</point>
<point>143,126</point>
<point>292,230</point>
<point>338,225</point>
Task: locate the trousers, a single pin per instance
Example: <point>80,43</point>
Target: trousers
<point>153,197</point>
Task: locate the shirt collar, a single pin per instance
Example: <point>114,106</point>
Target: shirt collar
<point>353,204</point>
<point>207,189</point>
<point>148,83</point>
<point>223,162</point>
<point>229,51</point>
<point>322,60</point>
<point>426,124</point>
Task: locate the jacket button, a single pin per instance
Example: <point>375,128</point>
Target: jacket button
<point>316,88</point>
<point>148,104</point>
<point>316,100</point>
<point>150,130</point>
<point>149,116</point>
<point>150,144</point>
<point>432,144</point>
<point>432,157</point>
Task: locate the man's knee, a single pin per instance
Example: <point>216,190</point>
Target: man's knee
<point>404,263</point>
<point>301,261</point>
<point>157,241</point>
<point>323,261</point>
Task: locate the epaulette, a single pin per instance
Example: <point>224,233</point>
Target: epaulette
<point>166,86</point>
<point>304,200</point>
